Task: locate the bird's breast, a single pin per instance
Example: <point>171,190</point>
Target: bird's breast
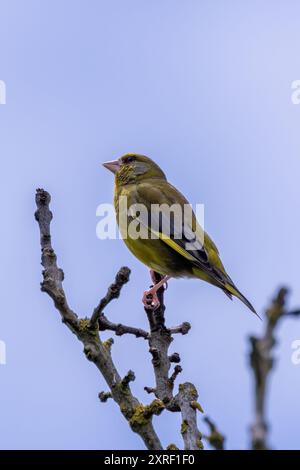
<point>153,252</point>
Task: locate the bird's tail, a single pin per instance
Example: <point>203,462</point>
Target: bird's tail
<point>224,282</point>
<point>230,290</point>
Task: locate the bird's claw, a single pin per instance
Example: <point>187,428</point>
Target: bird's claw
<point>150,300</point>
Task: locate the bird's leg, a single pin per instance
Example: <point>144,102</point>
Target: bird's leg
<point>154,280</point>
<point>151,294</point>
<point>153,276</point>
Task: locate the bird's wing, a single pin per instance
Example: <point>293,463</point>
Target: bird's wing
<point>185,235</point>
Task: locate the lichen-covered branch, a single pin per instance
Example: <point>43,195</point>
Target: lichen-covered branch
<point>138,416</point>
<point>185,401</point>
<point>262,362</point>
<point>159,339</point>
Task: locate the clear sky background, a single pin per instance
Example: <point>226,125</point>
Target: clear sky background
<point>204,88</point>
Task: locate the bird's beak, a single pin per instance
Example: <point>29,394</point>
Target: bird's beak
<point>113,165</point>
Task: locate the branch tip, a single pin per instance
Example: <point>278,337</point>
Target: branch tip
<point>129,377</point>
<point>104,396</point>
<point>113,292</point>
<point>184,328</point>
<point>177,370</point>
<point>150,390</point>
<point>175,358</point>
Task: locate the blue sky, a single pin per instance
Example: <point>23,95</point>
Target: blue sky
<point>204,88</point>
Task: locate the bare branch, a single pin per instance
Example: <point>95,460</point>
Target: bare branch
<point>177,370</point>
<point>119,329</point>
<point>129,377</point>
<point>215,438</point>
<point>138,416</point>
<point>159,341</point>
<point>293,313</point>
<point>113,292</point>
<point>52,274</point>
<point>104,396</point>
<point>184,328</point>
<point>262,362</point>
<point>150,390</point>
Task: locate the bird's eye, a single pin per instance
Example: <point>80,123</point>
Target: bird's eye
<point>128,159</point>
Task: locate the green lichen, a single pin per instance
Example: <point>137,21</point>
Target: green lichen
<point>171,447</point>
<point>86,330</point>
<point>125,410</point>
<point>138,418</point>
<point>155,408</point>
<point>184,426</point>
<point>123,407</point>
<point>123,391</point>
<point>83,324</point>
<point>108,344</point>
<point>196,406</point>
<point>143,414</point>
<point>190,389</point>
<point>216,440</point>
<point>199,443</point>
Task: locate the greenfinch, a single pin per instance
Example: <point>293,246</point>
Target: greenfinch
<point>182,250</point>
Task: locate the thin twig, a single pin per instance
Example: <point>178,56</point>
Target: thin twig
<point>120,329</point>
<point>113,292</point>
<point>183,329</point>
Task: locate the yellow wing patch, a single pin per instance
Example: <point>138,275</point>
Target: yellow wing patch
<point>174,245</point>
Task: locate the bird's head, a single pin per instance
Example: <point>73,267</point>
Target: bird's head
<point>132,168</point>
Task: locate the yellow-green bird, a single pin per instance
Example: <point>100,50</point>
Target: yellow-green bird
<point>184,250</point>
